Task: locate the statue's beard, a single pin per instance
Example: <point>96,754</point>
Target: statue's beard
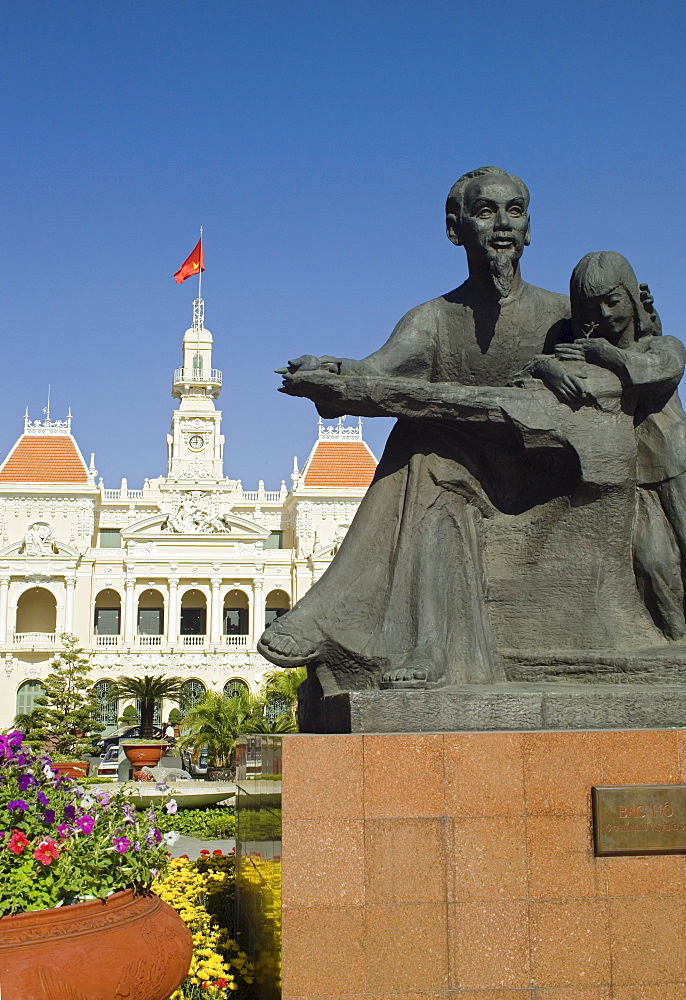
<point>502,273</point>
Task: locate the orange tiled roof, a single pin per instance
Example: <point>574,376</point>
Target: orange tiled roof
<point>340,463</point>
<point>45,459</point>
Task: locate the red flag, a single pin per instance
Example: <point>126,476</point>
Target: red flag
<point>193,264</point>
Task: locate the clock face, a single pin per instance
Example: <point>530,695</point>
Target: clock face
<point>196,442</point>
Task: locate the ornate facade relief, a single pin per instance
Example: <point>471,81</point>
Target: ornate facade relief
<point>195,513</point>
<point>303,522</point>
<point>38,540</point>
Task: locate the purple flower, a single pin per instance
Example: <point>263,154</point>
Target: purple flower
<point>49,816</point>
<point>103,798</point>
<point>63,830</point>
<point>171,807</point>
<point>43,799</point>
<point>121,844</point>
<point>9,743</point>
<point>137,846</point>
<point>85,823</point>
<point>26,781</point>
<point>129,813</point>
<point>69,813</point>
<point>154,837</point>
<point>17,804</point>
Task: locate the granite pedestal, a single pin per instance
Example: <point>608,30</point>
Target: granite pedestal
<point>461,865</point>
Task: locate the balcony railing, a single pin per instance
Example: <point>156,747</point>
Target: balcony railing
<point>193,640</point>
<point>269,495</point>
<point>237,641</point>
<point>188,375</point>
<point>107,640</point>
<point>149,640</point>
<point>34,638</point>
<point>122,494</point>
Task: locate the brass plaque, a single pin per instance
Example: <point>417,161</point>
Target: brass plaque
<point>639,819</point>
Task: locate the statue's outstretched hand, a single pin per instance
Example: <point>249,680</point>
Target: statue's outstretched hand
<point>308,363</point>
<point>555,377</point>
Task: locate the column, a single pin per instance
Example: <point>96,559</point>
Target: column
<point>215,610</point>
<point>258,608</point>
<point>173,611</point>
<point>70,583</point>
<point>4,595</point>
<point>129,611</point>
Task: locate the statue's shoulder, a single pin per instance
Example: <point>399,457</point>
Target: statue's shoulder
<point>432,309</point>
<point>553,302</point>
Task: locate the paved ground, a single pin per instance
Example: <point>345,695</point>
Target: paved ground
<point>192,846</point>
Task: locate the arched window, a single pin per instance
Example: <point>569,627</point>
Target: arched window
<point>236,613</point>
<point>193,613</point>
<point>151,613</point>
<point>192,692</point>
<point>108,703</point>
<point>278,603</point>
<point>36,611</point>
<point>234,688</point>
<point>107,617</point>
<point>28,694</point>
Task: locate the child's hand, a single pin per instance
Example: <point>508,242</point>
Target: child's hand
<point>594,350</point>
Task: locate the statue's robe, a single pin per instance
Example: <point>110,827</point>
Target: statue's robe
<point>499,517</point>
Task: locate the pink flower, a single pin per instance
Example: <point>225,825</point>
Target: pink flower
<point>18,842</point>
<point>85,823</point>
<point>63,830</point>
<point>121,844</point>
<point>46,851</point>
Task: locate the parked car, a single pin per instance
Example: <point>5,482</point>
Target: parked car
<point>109,763</point>
<point>124,733</point>
<point>195,762</point>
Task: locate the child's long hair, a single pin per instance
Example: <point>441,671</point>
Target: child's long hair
<point>597,274</point>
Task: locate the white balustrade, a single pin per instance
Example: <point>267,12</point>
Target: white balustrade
<point>198,375</point>
<point>237,641</point>
<point>193,640</point>
<point>34,638</point>
<point>107,640</point>
<point>149,640</point>
<point>116,494</point>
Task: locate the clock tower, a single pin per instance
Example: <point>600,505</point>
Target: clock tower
<point>195,447</point>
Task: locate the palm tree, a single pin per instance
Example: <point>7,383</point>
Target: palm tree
<point>283,684</point>
<point>148,690</point>
<point>216,722</point>
<point>284,723</point>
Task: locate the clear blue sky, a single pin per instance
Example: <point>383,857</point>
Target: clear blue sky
<point>315,142</point>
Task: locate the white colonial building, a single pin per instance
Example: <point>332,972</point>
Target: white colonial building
<point>179,577</point>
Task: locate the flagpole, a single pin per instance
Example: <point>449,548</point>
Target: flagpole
<point>200,268</point>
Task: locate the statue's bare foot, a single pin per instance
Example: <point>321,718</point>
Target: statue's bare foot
<point>285,649</point>
<point>419,670</point>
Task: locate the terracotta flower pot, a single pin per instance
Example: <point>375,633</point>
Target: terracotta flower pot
<point>143,754</point>
<point>127,946</point>
<point>71,768</point>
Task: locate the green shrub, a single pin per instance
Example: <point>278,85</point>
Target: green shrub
<point>206,824</point>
